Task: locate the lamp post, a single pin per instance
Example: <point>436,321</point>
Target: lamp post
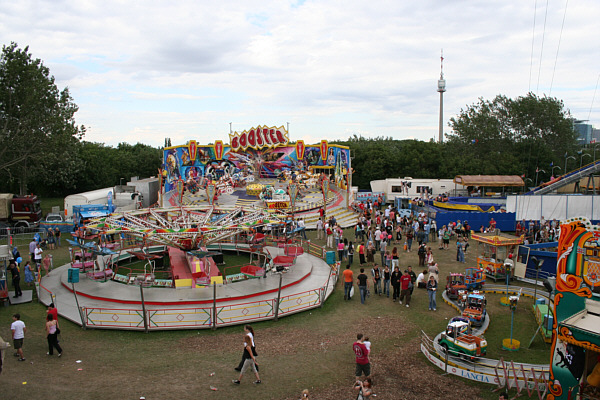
<point>556,166</point>
<point>596,145</point>
<point>581,159</point>
<point>537,171</point>
<point>538,265</point>
<point>566,161</point>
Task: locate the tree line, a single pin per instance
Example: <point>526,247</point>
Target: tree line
<point>43,151</point>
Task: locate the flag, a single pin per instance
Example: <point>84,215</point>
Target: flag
<point>537,170</point>
<point>523,176</point>
<point>566,154</point>
<point>551,163</point>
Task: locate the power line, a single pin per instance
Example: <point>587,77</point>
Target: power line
<point>593,97</point>
<point>558,47</point>
<point>542,49</point>
<point>532,43</point>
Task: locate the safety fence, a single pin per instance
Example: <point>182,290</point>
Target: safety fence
<point>525,378</point>
<point>213,314</point>
<point>207,316</point>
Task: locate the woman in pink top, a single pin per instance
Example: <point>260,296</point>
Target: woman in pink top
<point>340,250</point>
<point>51,327</point>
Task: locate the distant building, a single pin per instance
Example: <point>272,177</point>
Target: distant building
<point>595,135</point>
<point>584,131</point>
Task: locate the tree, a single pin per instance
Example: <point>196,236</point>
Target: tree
<point>506,136</point>
<point>38,134</point>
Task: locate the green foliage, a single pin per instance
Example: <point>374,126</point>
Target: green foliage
<point>506,136</point>
<point>498,137</point>
<point>38,130</point>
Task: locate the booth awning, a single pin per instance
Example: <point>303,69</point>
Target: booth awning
<point>489,180</point>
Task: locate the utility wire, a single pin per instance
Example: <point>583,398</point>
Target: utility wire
<point>558,47</point>
<point>542,50</point>
<point>532,43</point>
<point>593,97</point>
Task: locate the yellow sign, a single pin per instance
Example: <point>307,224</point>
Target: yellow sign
<point>278,204</point>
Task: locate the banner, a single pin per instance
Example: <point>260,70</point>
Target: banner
<point>324,146</point>
<point>325,188</point>
<point>218,149</point>
<point>259,137</point>
<point>293,190</point>
<point>300,149</point>
<point>192,149</point>
<point>210,193</point>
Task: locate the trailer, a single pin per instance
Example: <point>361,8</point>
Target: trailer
<point>410,187</point>
<point>124,198</point>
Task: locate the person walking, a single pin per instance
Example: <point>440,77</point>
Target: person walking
<point>387,274</point>
<point>29,278</point>
<point>362,280</point>
<point>52,332</point>
<point>350,253</point>
<point>18,329</point>
<point>405,286</point>
<point>431,292</point>
<point>361,254</point>
<point>249,356</point>
<point>57,235</point>
<point>363,365</point>
<point>37,255</point>
<point>376,274</point>
<point>395,281</point>
<point>16,279</point>
<point>421,252</point>
<point>348,280</point>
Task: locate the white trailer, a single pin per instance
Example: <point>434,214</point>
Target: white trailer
<point>123,200</point>
<point>411,188</point>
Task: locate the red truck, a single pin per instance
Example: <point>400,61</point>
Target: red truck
<point>19,211</point>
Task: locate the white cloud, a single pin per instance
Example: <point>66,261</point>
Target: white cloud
<point>145,71</point>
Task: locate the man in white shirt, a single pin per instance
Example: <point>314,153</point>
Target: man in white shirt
<point>18,329</point>
<point>37,255</point>
<point>302,228</point>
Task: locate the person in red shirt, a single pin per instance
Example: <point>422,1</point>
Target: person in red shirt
<point>52,311</point>
<point>363,365</point>
<point>405,283</point>
<point>348,279</point>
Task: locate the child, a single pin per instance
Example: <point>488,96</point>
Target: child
<point>367,344</point>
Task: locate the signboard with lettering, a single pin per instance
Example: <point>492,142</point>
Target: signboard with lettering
<point>258,138</point>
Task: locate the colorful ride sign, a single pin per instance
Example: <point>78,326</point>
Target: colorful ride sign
<point>259,137</point>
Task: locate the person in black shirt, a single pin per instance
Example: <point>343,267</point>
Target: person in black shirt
<point>395,280</point>
<point>16,279</point>
<point>362,281</point>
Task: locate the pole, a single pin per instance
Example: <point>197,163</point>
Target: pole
<point>278,296</point>
<point>143,308</point>
<point>537,272</point>
<point>78,308</point>
<point>214,313</point>
<point>512,319</point>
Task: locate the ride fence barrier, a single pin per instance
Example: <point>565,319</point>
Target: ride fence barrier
<point>502,374</point>
<point>207,316</point>
<point>216,315</point>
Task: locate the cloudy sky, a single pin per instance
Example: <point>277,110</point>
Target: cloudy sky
<point>141,71</point>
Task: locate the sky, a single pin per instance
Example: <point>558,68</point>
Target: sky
<point>141,71</point>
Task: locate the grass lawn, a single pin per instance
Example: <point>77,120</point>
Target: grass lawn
<point>307,350</point>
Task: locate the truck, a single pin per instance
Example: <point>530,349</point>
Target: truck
<point>460,341</point>
<point>19,211</point>
<point>474,278</point>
